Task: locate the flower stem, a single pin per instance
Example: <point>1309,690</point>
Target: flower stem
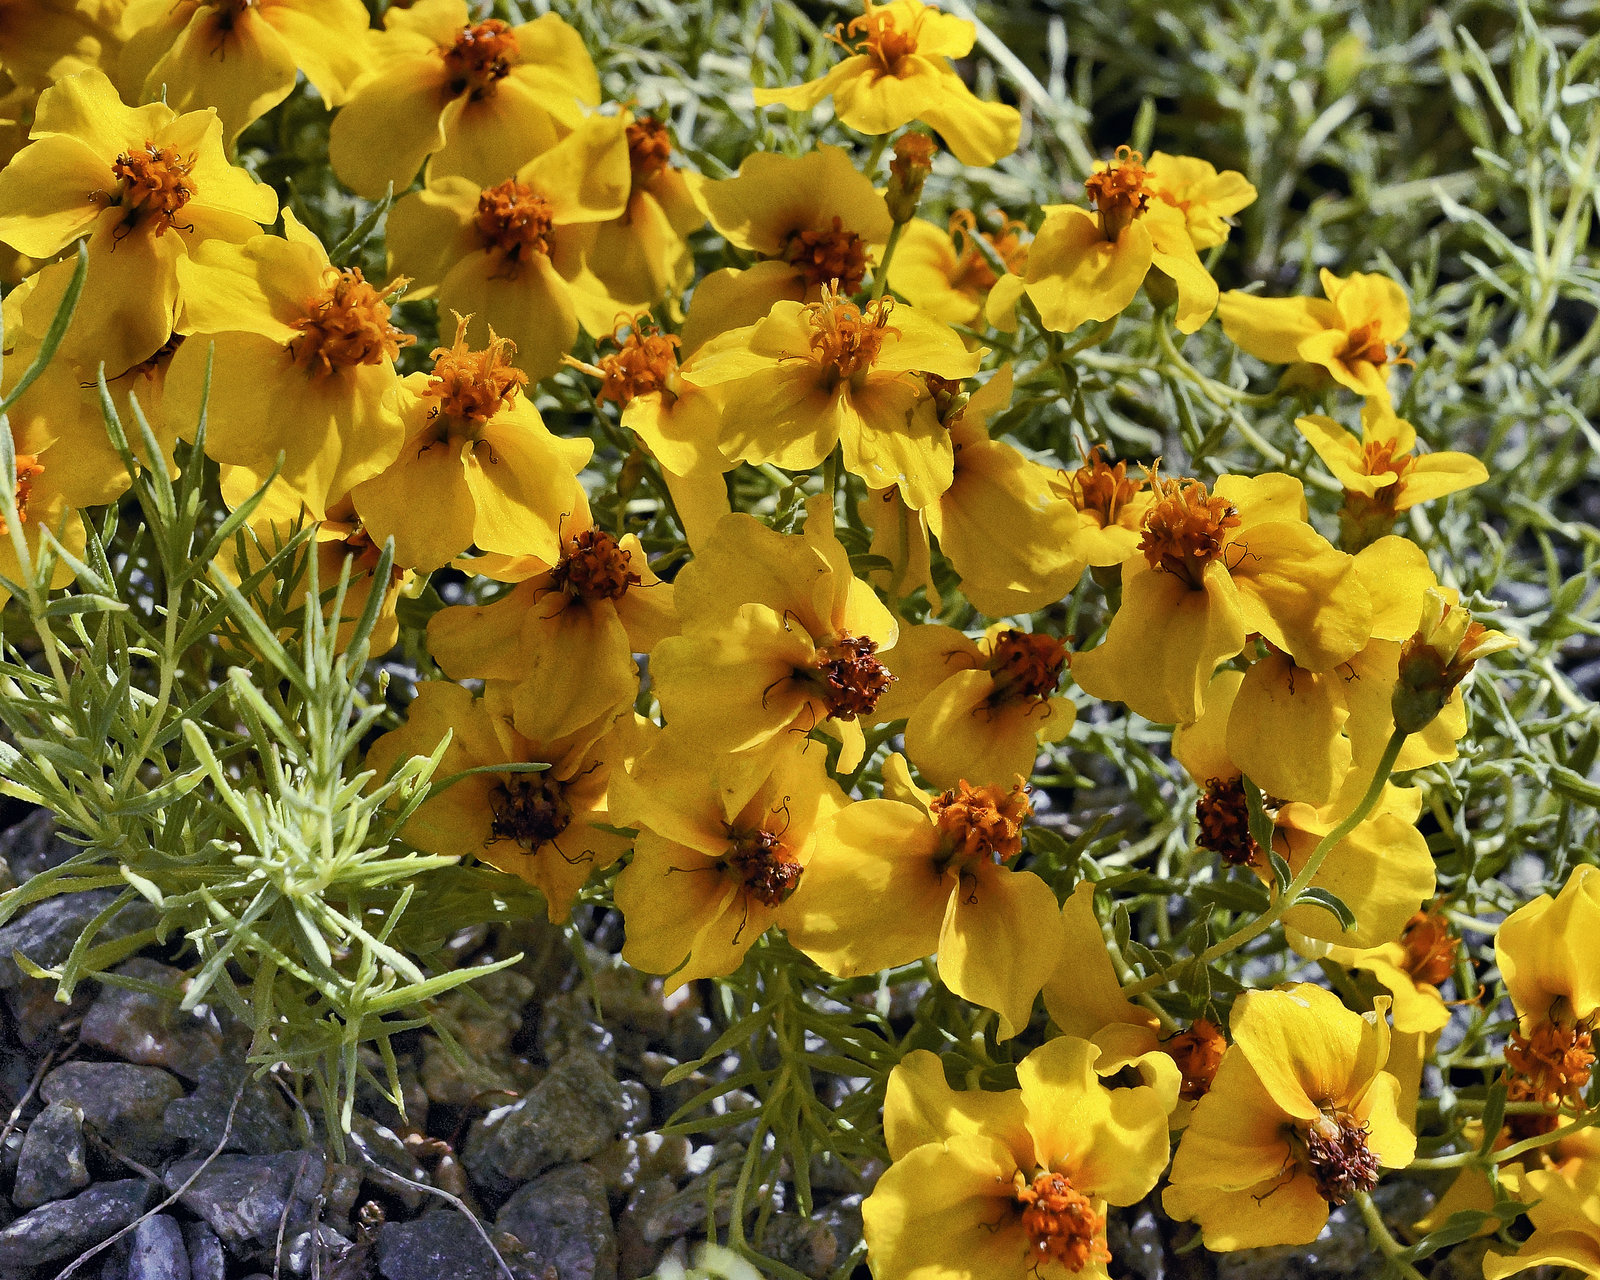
<point>1378,1232</point>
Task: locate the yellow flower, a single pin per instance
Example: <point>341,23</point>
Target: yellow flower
<point>898,70</point>
<point>548,827</point>
<point>564,636</point>
<point>780,638</point>
<point>1215,568</point>
<point>241,56</point>
<point>946,274</point>
<point>1411,970</point>
<point>813,221</point>
<point>977,709</point>
<point>809,377</point>
<point>146,186</point>
<point>720,853</point>
<point>1111,510</point>
<point>943,862</point>
<point>1207,199</point>
<point>1347,335</point>
<point>1301,1115</point>
<point>1437,658</point>
<point>43,41</point>
<point>1088,266</point>
<point>478,466</point>
<point>479,97</point>
<point>1566,1223</point>
<point>1013,1184</point>
<point>304,363</point>
<point>516,254</point>
<point>46,486</point>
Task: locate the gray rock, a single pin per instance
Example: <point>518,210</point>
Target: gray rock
<point>244,1199</point>
<point>158,1251</point>
<point>205,1253</point>
<point>631,1161</point>
<point>65,1228</point>
<point>123,1103</point>
<point>434,1246</point>
<point>807,1246</point>
<point>149,1029</point>
<point>1134,1238</point>
<point>305,1252</point>
<point>261,1124</point>
<point>686,1211</point>
<point>46,931</point>
<point>34,845</point>
<point>563,1222</point>
<point>51,1164</point>
<point>637,1256</point>
<point>575,1112</point>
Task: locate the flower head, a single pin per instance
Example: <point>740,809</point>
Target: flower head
<point>1437,658</point>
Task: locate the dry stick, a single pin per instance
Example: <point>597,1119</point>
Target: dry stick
<point>222,1142</point>
<point>33,1085</point>
<point>283,1220</point>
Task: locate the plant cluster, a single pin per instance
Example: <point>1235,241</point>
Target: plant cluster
<point>1007,622</point>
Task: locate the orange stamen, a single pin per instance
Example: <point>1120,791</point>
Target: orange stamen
<point>481,57</point>
<point>514,223</point>
<point>346,325</point>
<point>472,386</point>
<point>1119,192</point>
<point>1185,528</point>
<point>1060,1221</point>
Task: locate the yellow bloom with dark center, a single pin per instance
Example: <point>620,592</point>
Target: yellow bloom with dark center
<point>480,98</point>
<point>722,850</point>
<point>1014,1184</point>
<point>1088,266</point>
<point>813,221</point>
<point>515,254</point>
<point>478,467</point>
<point>1348,335</point>
<point>548,827</point>
<point>946,274</point>
<point>241,56</point>
<point>812,376</point>
<point>49,482</point>
<point>897,70</point>
<point>1217,566</point>
<point>146,186</point>
<point>1301,1116</point>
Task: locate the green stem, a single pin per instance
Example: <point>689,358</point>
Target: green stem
<point>1378,1233</point>
<point>880,278</point>
<point>1287,898</point>
<point>1515,1151</point>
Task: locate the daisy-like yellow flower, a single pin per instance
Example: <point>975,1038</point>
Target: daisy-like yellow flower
<point>479,97</point>
<point>720,853</point>
<point>1111,508</point>
<point>1301,1116</point>
<point>1088,266</point>
<point>812,376</point>
<point>478,467</point>
<point>241,56</point>
<point>1347,335</point>
<point>1565,1214</point>
<point>550,827</point>
<point>516,254</point>
<point>943,861</point>
<point>1009,1185</point>
<point>780,638</point>
<point>946,274</point>
<point>813,221</point>
<point>304,363</point>
<point>1207,199</point>
<point>898,70</point>
<point>1216,567</point>
<point>146,186</point>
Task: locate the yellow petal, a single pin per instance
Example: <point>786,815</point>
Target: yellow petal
<point>1286,730</point>
<point>1000,942</point>
<point>1075,274</point>
<point>1306,1048</point>
<point>920,1107</point>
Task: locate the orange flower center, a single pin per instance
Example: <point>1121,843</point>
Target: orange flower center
<point>151,181</point>
<point>1060,1221</point>
<point>645,362</point>
<point>594,567</point>
<point>1334,1152</point>
<point>649,149</point>
<point>981,823</point>
<point>481,57</point>
<point>1101,489</point>
<point>833,255</point>
<point>28,470</point>
<point>845,340</point>
<point>1198,1053</point>
<point>1364,344</point>
<point>767,871</point>
<point>972,272</point>
<point>1430,948</point>
<point>848,677</point>
<point>1185,529</point>
<point>1553,1065</point>
<point>1025,665</point>
<point>363,553</point>
<point>1119,192</point>
<point>472,386</point>
<point>1224,819</point>
<point>875,36</point>
<point>514,222</point>
<point>530,809</point>
<point>345,325</point>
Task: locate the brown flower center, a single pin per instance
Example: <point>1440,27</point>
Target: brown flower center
<point>1025,665</point>
<point>845,340</point>
<point>768,871</point>
<point>28,470</point>
<point>831,255</point>
<point>1185,529</point>
<point>1224,818</point>
<point>1336,1155</point>
<point>152,182</point>
<point>530,809</point>
<point>472,386</point>
<point>646,361</point>
<point>1430,948</point>
<point>849,678</point>
<point>649,149</point>
<point>981,823</point>
<point>1060,1221</point>
<point>1365,344</point>
<point>594,567</point>
<point>1102,489</point>
<point>1118,192</point>
<point>1198,1053</point>
<point>514,223</point>
<point>345,325</point>
<point>481,57</point>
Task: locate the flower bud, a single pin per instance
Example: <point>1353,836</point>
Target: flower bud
<point>1437,658</point>
<point>912,163</point>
